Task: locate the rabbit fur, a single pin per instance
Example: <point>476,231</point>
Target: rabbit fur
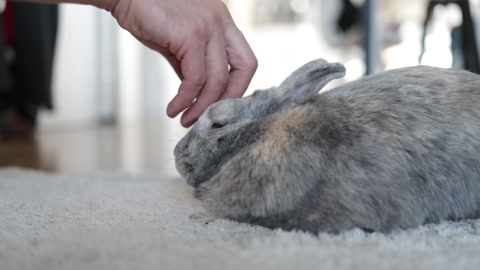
<point>393,150</point>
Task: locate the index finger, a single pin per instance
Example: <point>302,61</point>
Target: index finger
<point>242,61</point>
<point>194,78</point>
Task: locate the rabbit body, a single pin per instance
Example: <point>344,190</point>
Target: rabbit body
<point>392,150</point>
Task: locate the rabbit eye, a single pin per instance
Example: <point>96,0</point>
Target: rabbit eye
<point>218,125</point>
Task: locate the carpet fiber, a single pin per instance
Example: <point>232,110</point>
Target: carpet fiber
<point>122,221</point>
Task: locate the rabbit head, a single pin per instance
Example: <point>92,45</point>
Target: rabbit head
<point>230,125</point>
<point>230,161</point>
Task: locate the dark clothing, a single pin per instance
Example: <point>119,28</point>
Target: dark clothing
<point>29,30</point>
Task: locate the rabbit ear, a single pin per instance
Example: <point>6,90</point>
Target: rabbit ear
<point>309,79</point>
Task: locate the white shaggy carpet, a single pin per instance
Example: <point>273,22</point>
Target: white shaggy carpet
<point>121,221</point>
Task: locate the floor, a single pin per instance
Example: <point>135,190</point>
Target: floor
<point>142,146</point>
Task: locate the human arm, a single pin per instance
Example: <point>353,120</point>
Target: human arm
<point>198,38</point>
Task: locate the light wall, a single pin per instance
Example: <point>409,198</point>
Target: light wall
<point>102,73</point>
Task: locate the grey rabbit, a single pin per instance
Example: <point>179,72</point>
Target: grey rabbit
<point>388,151</point>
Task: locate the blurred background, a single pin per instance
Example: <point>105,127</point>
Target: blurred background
<point>96,98</point>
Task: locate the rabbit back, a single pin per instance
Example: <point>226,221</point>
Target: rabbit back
<point>402,146</point>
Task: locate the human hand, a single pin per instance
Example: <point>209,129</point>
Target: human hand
<point>201,42</point>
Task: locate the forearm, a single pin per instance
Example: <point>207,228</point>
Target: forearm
<point>104,4</point>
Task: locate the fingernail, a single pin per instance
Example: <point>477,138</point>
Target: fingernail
<point>186,124</point>
<point>171,112</point>
<point>187,121</point>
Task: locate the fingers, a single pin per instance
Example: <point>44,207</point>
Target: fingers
<point>171,58</point>
<point>194,78</point>
<point>243,64</point>
<point>202,83</point>
<point>217,78</point>
<point>176,65</point>
<point>220,82</point>
<point>205,48</point>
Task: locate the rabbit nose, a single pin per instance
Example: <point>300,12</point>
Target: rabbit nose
<point>178,149</point>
